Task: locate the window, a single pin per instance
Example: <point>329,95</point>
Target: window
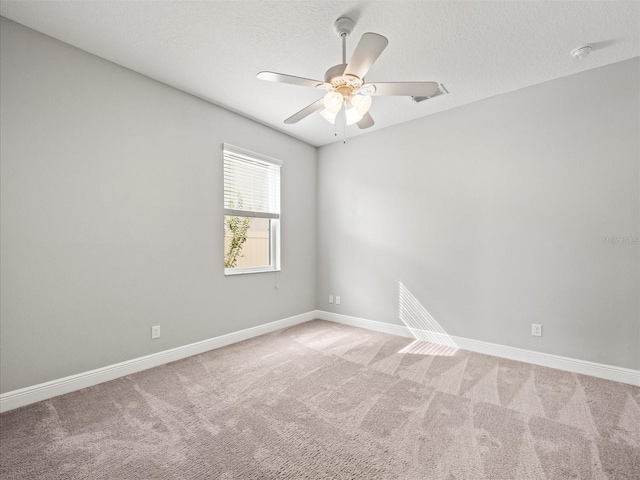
<point>251,212</point>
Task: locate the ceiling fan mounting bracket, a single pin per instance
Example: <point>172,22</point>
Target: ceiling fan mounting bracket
<point>344,26</point>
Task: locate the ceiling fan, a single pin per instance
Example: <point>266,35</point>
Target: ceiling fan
<point>344,84</point>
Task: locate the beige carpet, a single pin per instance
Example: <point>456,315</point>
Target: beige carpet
<point>322,400</point>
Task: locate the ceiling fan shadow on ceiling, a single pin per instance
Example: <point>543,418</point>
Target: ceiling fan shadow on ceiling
<point>345,86</point>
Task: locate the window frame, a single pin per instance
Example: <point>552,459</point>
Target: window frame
<point>274,218</point>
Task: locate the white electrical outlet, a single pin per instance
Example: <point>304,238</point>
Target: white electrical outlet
<point>536,329</point>
<point>155,332</point>
<point>330,298</point>
<point>337,300</point>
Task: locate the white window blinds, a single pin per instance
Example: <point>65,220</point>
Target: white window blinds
<point>251,184</point>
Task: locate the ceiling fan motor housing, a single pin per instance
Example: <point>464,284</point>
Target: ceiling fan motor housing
<point>343,84</point>
<point>334,73</point>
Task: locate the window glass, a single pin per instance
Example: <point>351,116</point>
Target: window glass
<point>251,212</point>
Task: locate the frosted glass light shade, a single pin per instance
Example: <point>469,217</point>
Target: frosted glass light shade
<point>353,116</point>
<point>362,103</point>
<point>333,101</point>
<point>329,116</point>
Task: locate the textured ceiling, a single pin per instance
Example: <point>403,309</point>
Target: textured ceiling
<point>214,49</point>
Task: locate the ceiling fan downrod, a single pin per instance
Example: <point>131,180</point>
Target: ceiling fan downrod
<point>343,27</point>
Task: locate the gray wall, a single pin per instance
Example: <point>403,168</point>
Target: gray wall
<point>111,217</point>
<point>491,217</point>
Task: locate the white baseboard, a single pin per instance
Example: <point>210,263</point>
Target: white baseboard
<point>608,372</point>
<point>44,391</point>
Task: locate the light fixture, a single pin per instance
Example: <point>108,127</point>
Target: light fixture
<point>362,103</point>
<point>356,106</point>
<point>581,52</point>
<point>329,116</point>
<point>352,113</point>
<point>333,101</point>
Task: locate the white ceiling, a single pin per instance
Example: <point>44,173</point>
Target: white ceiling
<point>214,49</point>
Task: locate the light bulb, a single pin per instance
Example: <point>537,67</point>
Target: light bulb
<point>333,101</point>
<point>362,103</point>
<point>329,116</point>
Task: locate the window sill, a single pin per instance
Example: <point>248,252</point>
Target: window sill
<point>247,270</point>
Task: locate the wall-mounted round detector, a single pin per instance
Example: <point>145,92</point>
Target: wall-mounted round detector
<point>581,52</point>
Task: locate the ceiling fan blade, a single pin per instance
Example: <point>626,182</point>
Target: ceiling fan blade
<point>368,50</point>
<point>409,89</point>
<point>283,78</point>
<point>366,122</point>
<point>305,112</point>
